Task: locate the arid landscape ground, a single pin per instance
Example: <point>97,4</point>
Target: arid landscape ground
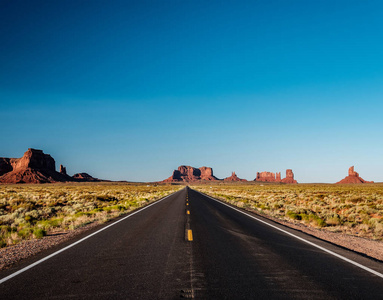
<point>34,217</point>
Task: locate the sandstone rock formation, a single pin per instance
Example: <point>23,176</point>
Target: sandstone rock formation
<point>35,167</point>
<point>84,177</point>
<point>234,177</point>
<point>278,176</point>
<point>353,177</point>
<point>289,177</point>
<point>268,177</point>
<point>5,165</point>
<point>207,173</point>
<point>191,174</point>
<point>63,170</point>
<point>275,177</point>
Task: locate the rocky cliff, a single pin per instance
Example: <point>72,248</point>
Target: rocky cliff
<point>234,177</point>
<point>289,177</point>
<point>34,167</point>
<point>5,165</point>
<point>275,177</point>
<point>268,177</point>
<point>84,177</point>
<point>353,177</point>
<point>191,174</point>
<point>63,170</point>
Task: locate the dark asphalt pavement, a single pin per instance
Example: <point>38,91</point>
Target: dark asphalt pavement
<point>236,257</point>
<point>231,256</point>
<point>142,257</point>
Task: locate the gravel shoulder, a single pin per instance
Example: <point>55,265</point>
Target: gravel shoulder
<point>12,254</point>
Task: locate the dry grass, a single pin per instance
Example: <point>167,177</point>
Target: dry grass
<point>350,209</point>
<point>32,211</point>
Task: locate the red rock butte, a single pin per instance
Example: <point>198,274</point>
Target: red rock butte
<point>84,177</point>
<point>276,177</point>
<point>34,167</point>
<point>191,174</point>
<point>353,178</point>
<point>234,177</point>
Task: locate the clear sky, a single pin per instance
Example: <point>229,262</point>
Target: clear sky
<point>130,90</point>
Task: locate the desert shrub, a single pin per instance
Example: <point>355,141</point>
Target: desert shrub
<point>333,221</point>
<point>107,209</point>
<point>293,215</point>
<point>378,229</point>
<point>49,224</point>
<point>39,233</point>
<point>4,229</point>
<point>28,218</point>
<point>106,198</point>
<point>356,199</point>
<point>349,224</point>
<point>25,232</point>
<point>317,221</point>
<point>119,207</point>
<point>264,207</point>
<point>363,227</point>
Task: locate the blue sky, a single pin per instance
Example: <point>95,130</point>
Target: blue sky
<point>130,90</point>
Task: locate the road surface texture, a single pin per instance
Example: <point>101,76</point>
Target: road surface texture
<point>191,246</point>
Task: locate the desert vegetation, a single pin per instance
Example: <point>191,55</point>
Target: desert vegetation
<point>32,211</point>
<point>350,209</point>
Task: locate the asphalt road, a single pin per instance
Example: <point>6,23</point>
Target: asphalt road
<point>237,257</point>
<point>215,252</point>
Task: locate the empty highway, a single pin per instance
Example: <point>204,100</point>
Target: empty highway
<point>188,245</point>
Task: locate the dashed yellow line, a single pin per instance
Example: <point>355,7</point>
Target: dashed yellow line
<point>190,235</point>
<point>188,212</point>
<point>187,203</point>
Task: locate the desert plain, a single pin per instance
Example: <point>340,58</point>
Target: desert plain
<point>34,217</point>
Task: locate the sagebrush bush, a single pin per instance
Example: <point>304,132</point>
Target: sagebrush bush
<point>39,233</point>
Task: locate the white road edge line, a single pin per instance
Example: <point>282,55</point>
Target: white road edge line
<point>79,241</point>
<point>302,239</point>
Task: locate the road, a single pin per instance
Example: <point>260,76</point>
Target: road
<point>190,246</point>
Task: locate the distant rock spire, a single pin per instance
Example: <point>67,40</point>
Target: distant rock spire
<point>63,170</point>
<point>353,177</point>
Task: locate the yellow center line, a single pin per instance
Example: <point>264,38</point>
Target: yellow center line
<point>190,235</point>
<point>188,212</point>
